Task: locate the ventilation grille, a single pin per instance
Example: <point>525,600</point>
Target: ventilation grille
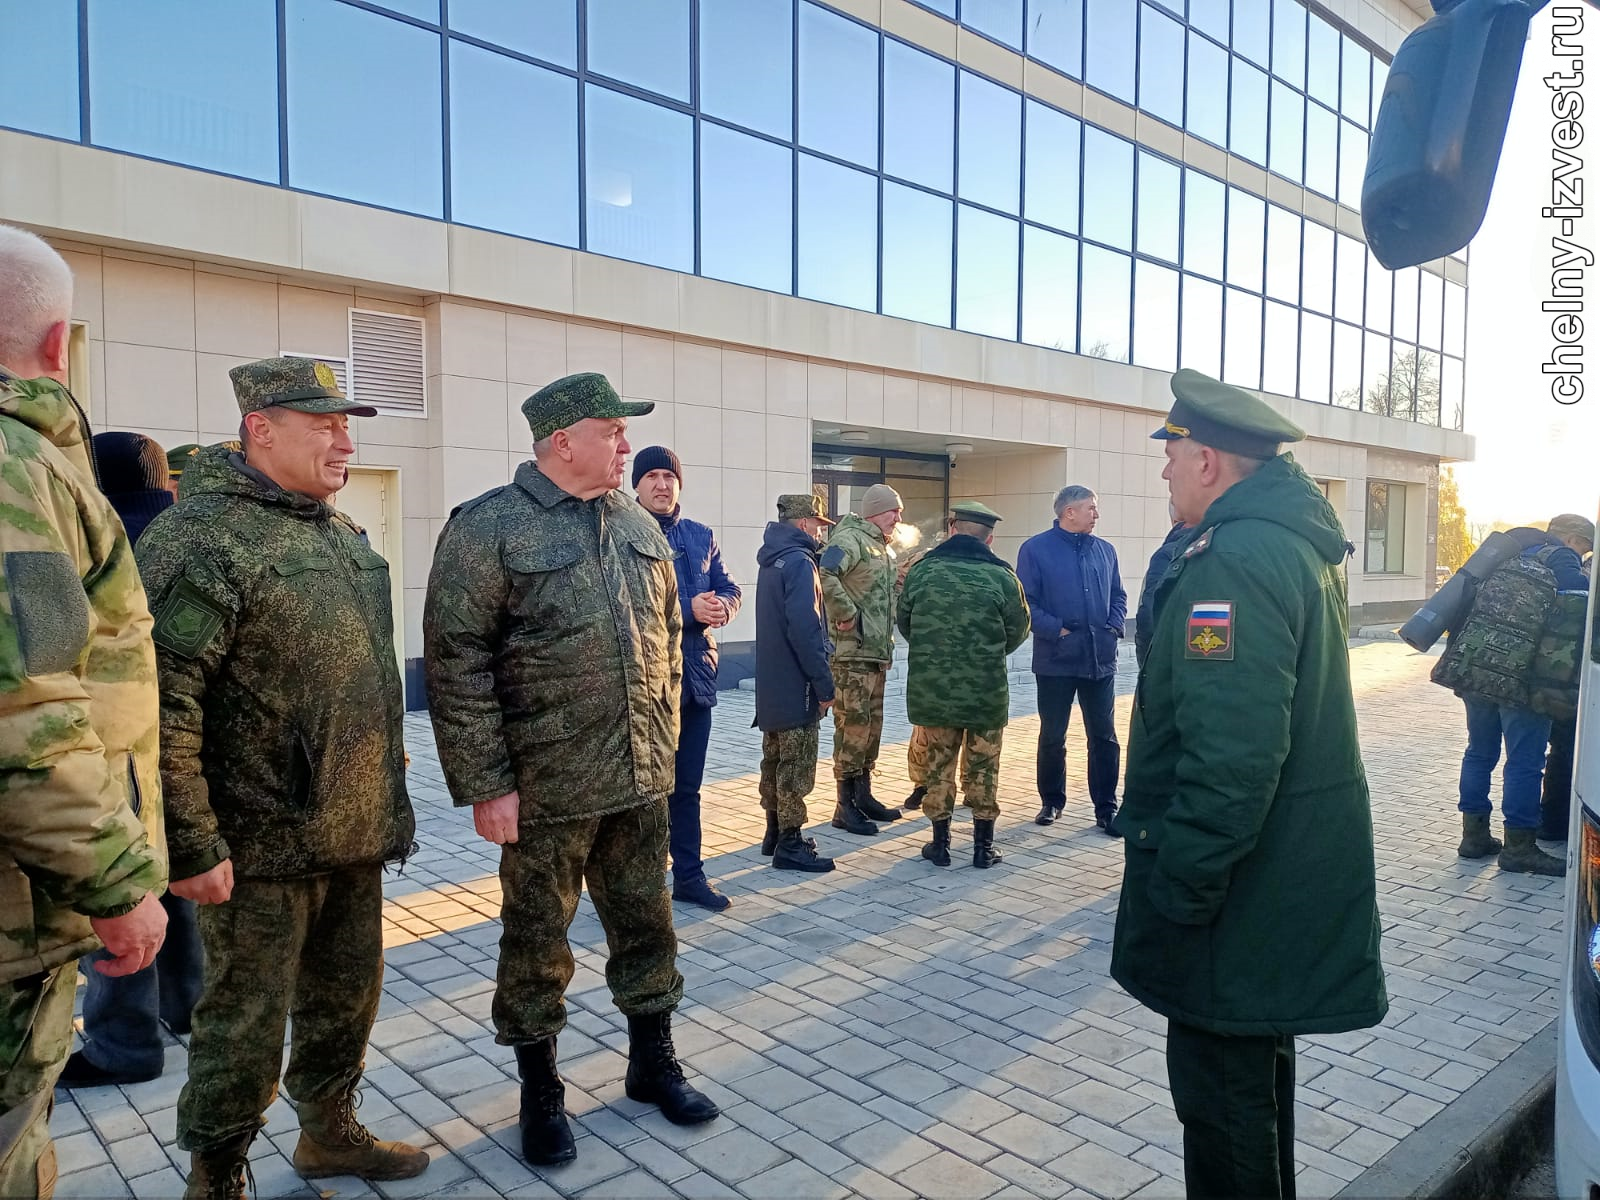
<point>339,366</point>
<point>386,362</point>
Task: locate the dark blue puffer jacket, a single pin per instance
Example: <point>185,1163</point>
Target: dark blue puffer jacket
<point>700,569</point>
<point>1072,582</point>
<point>793,678</point>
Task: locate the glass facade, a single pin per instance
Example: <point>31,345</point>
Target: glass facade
<point>783,145</point>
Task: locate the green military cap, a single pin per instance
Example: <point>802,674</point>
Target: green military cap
<point>1224,417</point>
<point>303,384</point>
<point>978,514</point>
<point>1571,525</point>
<point>178,458</point>
<point>572,399</point>
<point>792,506</point>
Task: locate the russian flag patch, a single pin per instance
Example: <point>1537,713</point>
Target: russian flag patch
<point>1210,631</point>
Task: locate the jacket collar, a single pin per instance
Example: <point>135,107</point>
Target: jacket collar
<point>668,520</point>
<point>965,547</point>
<point>549,494</point>
<point>49,409</point>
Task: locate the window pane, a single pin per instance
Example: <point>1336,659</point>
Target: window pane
<point>1241,358</point>
<point>1356,76</point>
<point>916,255</point>
<point>746,63</point>
<point>919,116</point>
<point>1403,381</point>
<point>1202,325</point>
<point>1055,34</point>
<point>944,7</point>
<point>1428,387</point>
<point>423,10</point>
<point>1247,127</point>
<point>1316,357</point>
<point>1252,27</point>
<point>1283,254</point>
<point>1386,524</point>
<point>746,209</point>
<point>1107,189</point>
<point>1246,222</point>
<point>1347,365</point>
<point>1322,150</point>
<point>640,180</point>
<point>548,30</point>
<point>1380,294</point>
<point>1405,303</point>
<point>1109,47</point>
<point>1052,166</point>
<point>1455,319</point>
<point>1352,163</point>
<point>1288,132</point>
<point>1350,280</point>
<point>1155,316</point>
<point>1289,41</point>
<point>352,69</point>
<point>1204,223</point>
<point>1380,78</point>
<point>991,143</point>
<point>1430,311</point>
<point>999,19</point>
<point>1452,375</point>
<point>1158,207</point>
<point>1049,290</point>
<point>1105,321</point>
<point>1210,16</point>
<point>1375,375</point>
<point>1161,66</point>
<point>643,44</point>
<point>838,86</point>
<point>1322,61</point>
<point>986,273</point>
<point>1207,90</point>
<point>1280,353</point>
<point>513,146</point>
<point>1316,280</point>
<point>838,234</point>
<point>43,98</point>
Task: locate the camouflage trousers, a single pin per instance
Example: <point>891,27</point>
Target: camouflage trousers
<point>35,1038</point>
<point>788,773</point>
<point>623,857</point>
<point>917,757</point>
<point>978,752</point>
<point>857,716</point>
<point>306,950</point>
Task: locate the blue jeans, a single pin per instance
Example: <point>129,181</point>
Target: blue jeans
<point>1526,735</point>
<point>1097,698</point>
<point>120,1015</point>
<point>683,807</point>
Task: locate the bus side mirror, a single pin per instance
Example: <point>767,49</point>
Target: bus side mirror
<point>1440,129</point>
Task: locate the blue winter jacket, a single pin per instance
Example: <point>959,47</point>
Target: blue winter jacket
<point>700,569</point>
<point>793,678</point>
<point>1072,582</point>
<point>1564,562</point>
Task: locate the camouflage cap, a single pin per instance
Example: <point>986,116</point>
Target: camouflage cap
<point>978,514</point>
<point>178,458</point>
<point>793,506</point>
<point>303,384</point>
<point>1224,417</point>
<point>575,398</point>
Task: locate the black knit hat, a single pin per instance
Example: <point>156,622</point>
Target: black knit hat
<point>655,458</point>
<point>133,475</point>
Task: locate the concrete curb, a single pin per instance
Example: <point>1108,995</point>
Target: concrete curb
<point>1480,1144</point>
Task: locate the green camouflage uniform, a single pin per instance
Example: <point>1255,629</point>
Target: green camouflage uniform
<point>858,579</point>
<point>81,832</point>
<point>962,612</point>
<point>552,644</point>
<point>788,773</point>
<point>281,749</point>
<point>917,747</point>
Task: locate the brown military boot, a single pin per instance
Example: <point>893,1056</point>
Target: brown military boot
<point>220,1174</point>
<point>1522,854</point>
<point>1476,840</point>
<point>333,1141</point>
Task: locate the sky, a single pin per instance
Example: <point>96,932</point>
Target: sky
<point>1534,457</point>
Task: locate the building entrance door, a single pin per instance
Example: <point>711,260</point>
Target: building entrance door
<point>371,498</point>
<point>842,474</point>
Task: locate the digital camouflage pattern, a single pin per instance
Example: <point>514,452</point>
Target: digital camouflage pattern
<point>622,856</point>
<point>1492,655</point>
<point>857,716</point>
<point>962,612</point>
<point>788,773</point>
<point>35,1039</point>
<point>575,398</point>
<point>313,946</point>
<point>1556,670</point>
<point>858,591</point>
<point>552,641</point>
<point>978,753</point>
<point>81,828</point>
<point>281,705</point>
<point>794,506</point>
<point>303,384</point>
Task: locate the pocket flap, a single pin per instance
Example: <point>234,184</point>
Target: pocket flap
<point>368,559</point>
<point>305,562</point>
<point>651,548</point>
<point>532,560</point>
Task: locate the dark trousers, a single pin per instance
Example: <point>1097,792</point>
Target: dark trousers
<point>1556,804</point>
<point>1097,699</point>
<point>122,1016</point>
<point>683,806</point>
<point>1235,1097</point>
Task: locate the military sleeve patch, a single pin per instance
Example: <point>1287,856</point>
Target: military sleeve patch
<point>187,620</point>
<point>1210,631</point>
<point>833,559</point>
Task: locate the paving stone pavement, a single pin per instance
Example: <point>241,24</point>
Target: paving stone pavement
<point>892,1029</point>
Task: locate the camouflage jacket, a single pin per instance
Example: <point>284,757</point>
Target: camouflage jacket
<point>80,818</point>
<point>281,737</point>
<point>910,558</point>
<point>858,591</point>
<point>552,641</point>
<point>962,612</point>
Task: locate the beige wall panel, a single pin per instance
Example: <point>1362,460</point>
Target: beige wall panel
<point>1008,416</point>
<point>788,445</point>
<point>658,427</point>
<point>933,406</point>
<point>592,348</point>
<point>744,498</point>
<point>920,27</point>
<point>863,398</point>
<point>702,498</point>
<point>744,440</point>
<point>613,290</point>
<point>536,350</point>
<point>465,473</point>
<point>148,305</point>
<point>697,374</point>
<point>351,242</point>
<point>472,342</point>
<point>150,386</point>
<point>507,270</point>
<point>825,392</point>
<point>709,308</point>
<point>316,321</point>
<point>744,381</point>
<point>418,557</point>
<point>217,407</point>
<point>900,403</point>
<point>699,435</point>
<point>786,386</point>
<point>473,413</point>
<point>647,372</point>
<point>88,304</point>
<point>979,54</point>
<point>236,316</point>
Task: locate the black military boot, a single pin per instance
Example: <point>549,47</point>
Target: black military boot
<point>770,841</point>
<point>654,1076</point>
<point>938,851</point>
<point>796,853</point>
<point>983,852</point>
<point>1522,854</point>
<point>546,1136</point>
<point>220,1174</point>
<point>846,815</point>
<point>1047,814</point>
<point>868,803</point>
<point>915,799</point>
<point>1476,840</point>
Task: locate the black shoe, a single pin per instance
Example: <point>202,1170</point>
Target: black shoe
<point>868,803</point>
<point>914,800</point>
<point>1106,823</point>
<point>984,854</point>
<point>546,1136</point>
<point>700,892</point>
<point>654,1076</point>
<point>81,1073</point>
<point>795,853</point>
<point>938,851</point>
<point>1047,814</point>
<point>847,816</point>
<point>770,839</point>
